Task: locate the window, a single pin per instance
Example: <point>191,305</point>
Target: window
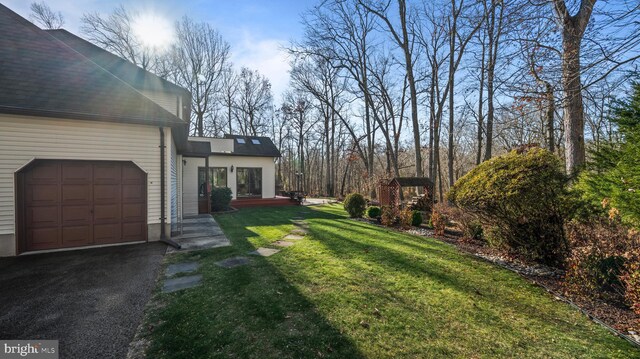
<point>240,141</point>
<point>255,141</point>
<point>249,182</point>
<point>217,178</point>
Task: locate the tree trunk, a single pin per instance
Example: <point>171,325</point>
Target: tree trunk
<point>432,123</point>
<point>551,109</point>
<point>481,106</point>
<point>452,79</point>
<point>573,28</point>
<point>490,74</point>
<point>200,125</point>
<point>413,93</point>
<point>573,107</point>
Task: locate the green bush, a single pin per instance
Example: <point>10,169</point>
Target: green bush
<point>355,205</point>
<point>220,199</point>
<point>373,212</point>
<point>611,181</point>
<point>519,197</point>
<point>416,218</point>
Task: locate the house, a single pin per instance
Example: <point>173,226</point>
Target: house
<point>245,164</point>
<point>95,151</point>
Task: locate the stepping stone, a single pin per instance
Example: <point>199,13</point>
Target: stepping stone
<point>299,231</point>
<point>185,267</point>
<point>264,252</point>
<point>300,223</point>
<point>197,243</point>
<point>198,234</point>
<point>293,237</point>
<point>233,262</point>
<point>297,218</point>
<point>175,284</point>
<point>283,243</point>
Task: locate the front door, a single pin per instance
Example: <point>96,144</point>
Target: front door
<point>249,182</point>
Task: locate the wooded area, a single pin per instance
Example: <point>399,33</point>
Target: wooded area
<point>383,89</point>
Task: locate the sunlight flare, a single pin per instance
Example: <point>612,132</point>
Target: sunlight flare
<point>153,31</point>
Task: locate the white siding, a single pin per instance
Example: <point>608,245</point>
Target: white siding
<point>266,163</point>
<point>166,100</point>
<point>174,186</point>
<point>180,170</point>
<point>23,139</point>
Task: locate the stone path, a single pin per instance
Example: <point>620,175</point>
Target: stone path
<point>299,231</point>
<point>186,267</point>
<point>175,284</point>
<point>183,282</point>
<point>199,232</point>
<point>202,232</point>
<point>283,243</point>
<point>293,237</point>
<point>264,252</point>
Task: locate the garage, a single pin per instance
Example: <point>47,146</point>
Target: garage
<point>64,204</point>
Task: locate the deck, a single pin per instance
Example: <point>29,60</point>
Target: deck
<point>263,202</point>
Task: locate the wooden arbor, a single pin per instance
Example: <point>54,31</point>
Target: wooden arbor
<point>389,191</point>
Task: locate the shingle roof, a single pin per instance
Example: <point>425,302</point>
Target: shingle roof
<point>197,148</point>
<point>412,181</point>
<point>42,76</point>
<point>123,69</point>
<point>265,148</point>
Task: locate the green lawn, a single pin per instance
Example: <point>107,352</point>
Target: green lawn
<point>353,290</point>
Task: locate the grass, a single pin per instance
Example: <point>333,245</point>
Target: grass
<point>353,290</point>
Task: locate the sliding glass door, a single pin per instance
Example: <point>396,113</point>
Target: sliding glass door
<point>249,182</point>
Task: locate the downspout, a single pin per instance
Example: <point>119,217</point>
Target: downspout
<point>163,187</point>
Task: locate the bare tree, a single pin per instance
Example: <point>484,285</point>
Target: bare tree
<point>254,102</point>
<point>114,33</point>
<point>573,28</point>
<point>318,77</point>
<point>201,58</point>
<point>46,18</point>
<point>458,41</point>
<point>495,16</point>
<point>405,41</point>
<point>342,32</point>
<point>296,107</point>
<point>229,97</point>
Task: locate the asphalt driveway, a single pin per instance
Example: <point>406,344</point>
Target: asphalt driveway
<point>91,300</point>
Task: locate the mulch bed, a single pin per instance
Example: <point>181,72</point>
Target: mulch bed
<point>615,316</point>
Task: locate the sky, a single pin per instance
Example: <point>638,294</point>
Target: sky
<point>256,29</point>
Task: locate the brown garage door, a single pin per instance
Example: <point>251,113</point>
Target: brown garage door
<point>80,203</point>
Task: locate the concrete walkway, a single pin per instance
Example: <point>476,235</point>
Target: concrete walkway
<point>317,201</point>
<point>200,232</point>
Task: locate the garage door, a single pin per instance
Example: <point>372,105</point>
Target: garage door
<point>81,203</point>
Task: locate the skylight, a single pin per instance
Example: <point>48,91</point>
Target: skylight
<point>240,140</point>
<point>255,141</point>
